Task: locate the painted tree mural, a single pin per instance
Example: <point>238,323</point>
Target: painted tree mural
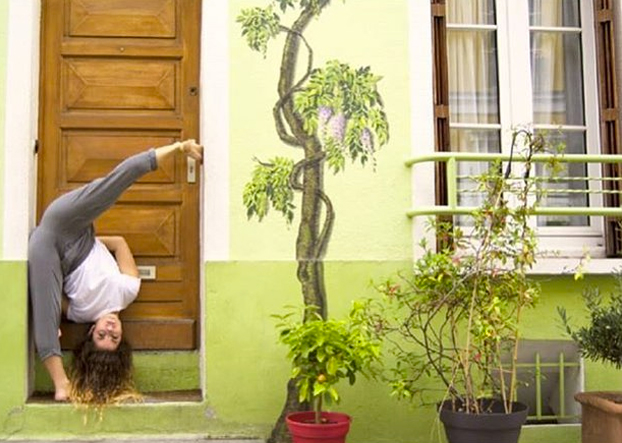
<point>328,116</point>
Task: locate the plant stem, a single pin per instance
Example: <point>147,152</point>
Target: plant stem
<point>507,408</point>
<point>514,362</point>
<point>318,410</point>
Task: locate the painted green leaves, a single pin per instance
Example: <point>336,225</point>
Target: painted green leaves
<point>343,107</point>
<point>259,25</point>
<point>268,187</point>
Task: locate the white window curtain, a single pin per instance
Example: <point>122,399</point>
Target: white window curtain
<point>556,76</point>
<point>557,85</point>
<point>473,87</point>
<point>472,66</point>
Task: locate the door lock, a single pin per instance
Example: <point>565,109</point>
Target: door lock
<point>191,171</point>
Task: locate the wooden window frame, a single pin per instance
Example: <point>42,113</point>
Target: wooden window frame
<point>604,35</point>
<point>609,113</point>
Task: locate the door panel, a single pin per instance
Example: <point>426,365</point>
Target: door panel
<point>122,18</point>
<point>119,84</point>
<point>153,231</point>
<point>118,77</point>
<point>88,155</point>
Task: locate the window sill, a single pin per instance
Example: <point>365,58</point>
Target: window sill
<point>569,266</point>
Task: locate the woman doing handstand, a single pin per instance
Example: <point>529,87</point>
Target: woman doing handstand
<point>65,256</point>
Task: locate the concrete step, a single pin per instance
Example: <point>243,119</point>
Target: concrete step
<point>144,439</point>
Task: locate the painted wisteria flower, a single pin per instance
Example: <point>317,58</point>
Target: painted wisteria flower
<point>337,127</point>
<point>367,140</point>
<point>324,113</point>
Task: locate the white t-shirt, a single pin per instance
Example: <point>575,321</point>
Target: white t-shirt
<point>97,287</point>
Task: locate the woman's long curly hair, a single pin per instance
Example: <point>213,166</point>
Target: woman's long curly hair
<point>99,377</point>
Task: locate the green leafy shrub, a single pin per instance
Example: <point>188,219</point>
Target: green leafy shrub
<point>455,315</point>
<point>323,352</point>
<point>601,339</point>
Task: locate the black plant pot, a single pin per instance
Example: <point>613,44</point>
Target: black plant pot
<point>493,426</point>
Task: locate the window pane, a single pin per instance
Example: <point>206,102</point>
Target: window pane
<point>557,78</point>
<point>555,13</point>
<point>570,187</point>
<point>472,140</point>
<point>471,12</point>
<point>472,68</point>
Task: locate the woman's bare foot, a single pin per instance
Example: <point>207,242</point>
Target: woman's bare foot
<point>62,391</point>
<point>54,365</point>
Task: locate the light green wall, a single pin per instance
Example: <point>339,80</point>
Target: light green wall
<point>4,12</point>
<point>370,205</point>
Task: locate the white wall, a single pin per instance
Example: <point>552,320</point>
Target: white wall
<point>215,129</point>
<point>21,109</point>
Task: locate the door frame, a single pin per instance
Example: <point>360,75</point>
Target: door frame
<point>21,128</point>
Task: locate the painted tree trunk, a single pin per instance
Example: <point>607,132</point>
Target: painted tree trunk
<point>307,178</point>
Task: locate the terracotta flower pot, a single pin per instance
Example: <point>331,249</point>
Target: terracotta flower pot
<point>601,416</point>
<point>491,427</point>
<point>334,428</point>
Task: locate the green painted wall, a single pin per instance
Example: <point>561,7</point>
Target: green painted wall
<point>4,12</point>
<point>154,371</point>
<point>247,369</point>
<point>13,339</point>
<point>260,370</point>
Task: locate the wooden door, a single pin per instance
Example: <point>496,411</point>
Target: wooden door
<point>118,77</point>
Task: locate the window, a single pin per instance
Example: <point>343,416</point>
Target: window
<point>549,374</point>
<point>508,64</point>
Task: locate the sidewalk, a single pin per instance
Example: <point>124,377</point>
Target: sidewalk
<point>145,439</point>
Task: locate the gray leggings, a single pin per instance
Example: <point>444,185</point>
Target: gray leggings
<point>64,239</point>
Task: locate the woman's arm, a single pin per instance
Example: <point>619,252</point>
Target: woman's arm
<point>189,147</point>
<point>122,254</point>
<point>117,244</point>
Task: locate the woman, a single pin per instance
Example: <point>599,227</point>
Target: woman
<point>64,255</point>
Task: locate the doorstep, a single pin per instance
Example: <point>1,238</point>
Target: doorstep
<point>156,439</point>
<point>191,395</point>
<point>173,416</point>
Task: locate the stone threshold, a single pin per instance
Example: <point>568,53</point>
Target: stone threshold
<point>193,395</point>
<point>182,439</point>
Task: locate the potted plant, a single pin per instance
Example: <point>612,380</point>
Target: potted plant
<point>323,352</point>
<point>454,317</point>
<point>600,340</point>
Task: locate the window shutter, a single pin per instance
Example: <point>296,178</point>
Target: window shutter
<point>609,118</point>
<point>441,92</point>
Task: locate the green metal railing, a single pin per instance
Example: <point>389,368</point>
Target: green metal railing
<point>537,366</point>
<point>453,190</point>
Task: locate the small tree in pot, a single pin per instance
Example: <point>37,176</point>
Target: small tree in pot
<point>455,316</point>
<point>600,340</point>
<point>323,352</point>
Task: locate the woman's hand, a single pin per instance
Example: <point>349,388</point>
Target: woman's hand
<point>122,254</point>
<point>188,147</point>
<point>192,149</point>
